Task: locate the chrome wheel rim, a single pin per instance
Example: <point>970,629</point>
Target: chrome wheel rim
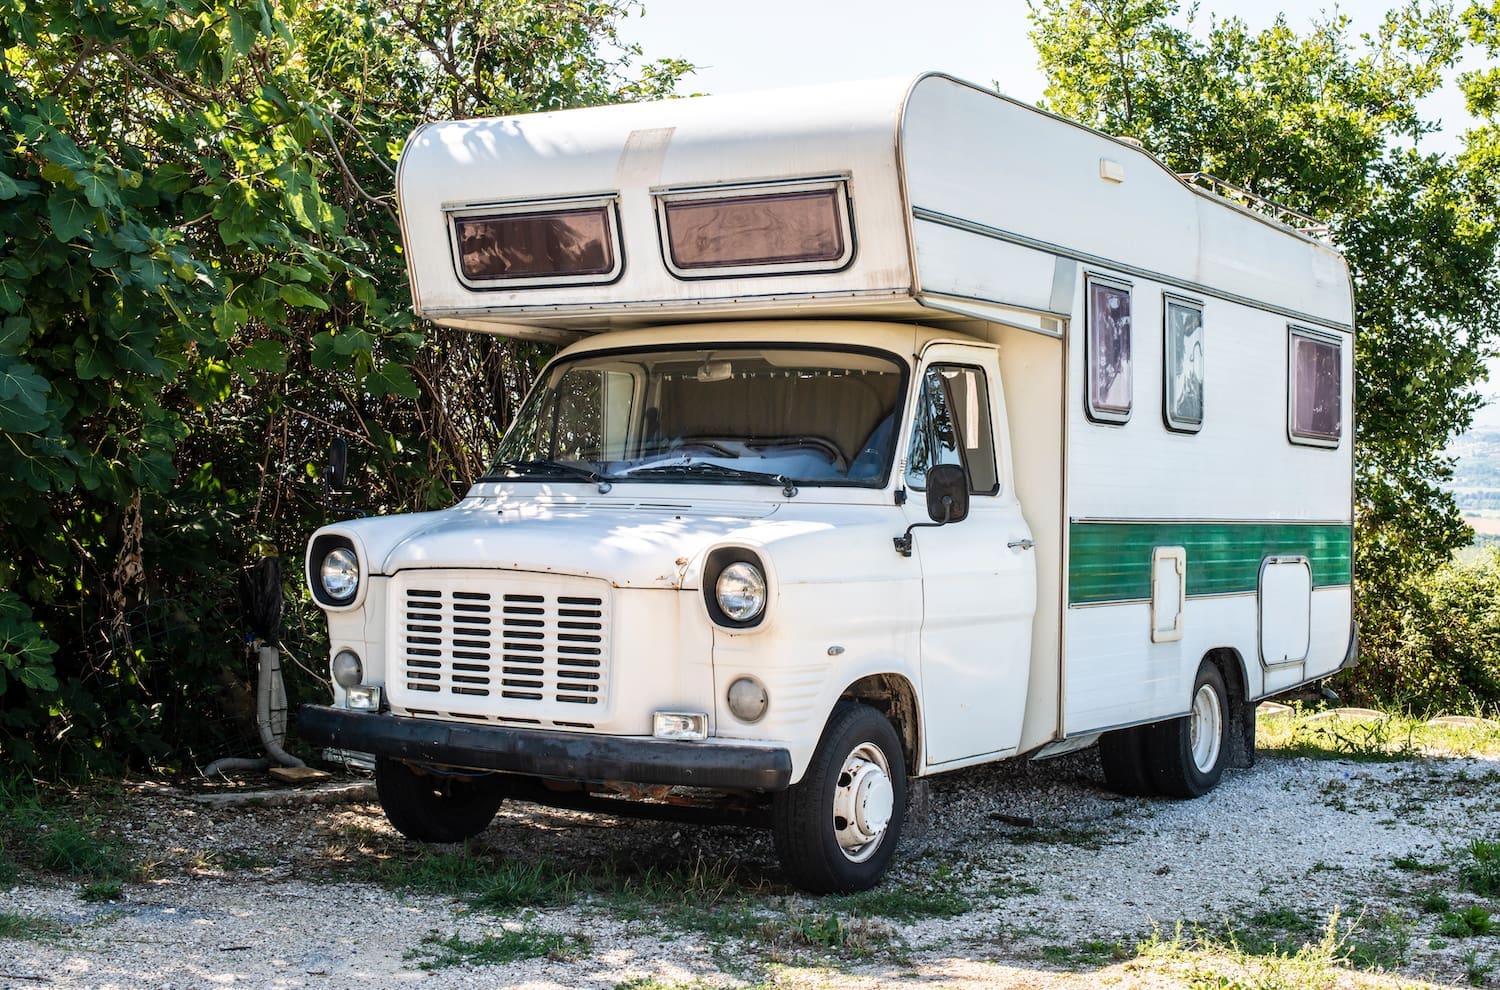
<point>1206,728</point>
<point>863,802</point>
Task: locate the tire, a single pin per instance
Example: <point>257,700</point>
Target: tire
<point>1122,754</point>
<point>857,779</point>
<point>430,807</point>
<point>1185,757</point>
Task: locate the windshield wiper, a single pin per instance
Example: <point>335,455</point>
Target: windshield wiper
<point>715,470</point>
<point>521,468</point>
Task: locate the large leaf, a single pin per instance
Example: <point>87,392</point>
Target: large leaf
<point>295,295</point>
<point>92,358</point>
<point>70,213</point>
<point>391,379</point>
<point>23,398</point>
<point>265,355</point>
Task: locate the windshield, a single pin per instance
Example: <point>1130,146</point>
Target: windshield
<point>727,415</point>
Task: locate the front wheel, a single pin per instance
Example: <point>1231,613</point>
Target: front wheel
<point>1185,757</point>
<point>836,829</point>
<point>435,807</point>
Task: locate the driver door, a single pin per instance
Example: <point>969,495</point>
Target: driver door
<point>978,575</point>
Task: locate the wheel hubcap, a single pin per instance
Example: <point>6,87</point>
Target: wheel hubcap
<point>1206,728</point>
<point>863,801</point>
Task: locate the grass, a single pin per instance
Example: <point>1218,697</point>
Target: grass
<point>1202,960</point>
<point>1475,971</point>
<point>1082,838</point>
<point>1095,952</point>
<point>1412,864</point>
<point>23,926</point>
<point>1479,869</point>
<point>1434,902</point>
<point>937,896</point>
<point>1390,739</point>
<point>495,885</point>
<point>1467,922</point>
<point>505,946</point>
<point>102,890</point>
<point>42,832</point>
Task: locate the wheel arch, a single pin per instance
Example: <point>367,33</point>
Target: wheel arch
<point>895,697</point>
<point>1241,729</point>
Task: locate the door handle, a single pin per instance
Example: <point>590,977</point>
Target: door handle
<point>1020,544</point>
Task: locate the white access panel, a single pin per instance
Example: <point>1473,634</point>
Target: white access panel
<point>1285,611</point>
<point>1168,593</point>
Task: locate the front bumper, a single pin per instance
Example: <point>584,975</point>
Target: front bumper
<point>544,753</point>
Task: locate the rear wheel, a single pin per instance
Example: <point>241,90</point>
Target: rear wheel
<point>837,828</point>
<point>434,807</point>
<point>1185,756</point>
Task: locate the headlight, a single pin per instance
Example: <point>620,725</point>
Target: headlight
<point>741,591</point>
<point>347,670</point>
<point>339,574</point>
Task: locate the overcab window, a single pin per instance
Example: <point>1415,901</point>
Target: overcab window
<point>1315,388</point>
<point>534,245</point>
<point>781,229</point>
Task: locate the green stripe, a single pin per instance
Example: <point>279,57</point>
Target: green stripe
<point>1111,562</point>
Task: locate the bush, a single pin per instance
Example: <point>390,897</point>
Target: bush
<point>1432,644</point>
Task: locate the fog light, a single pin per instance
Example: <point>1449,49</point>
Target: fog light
<point>347,670</point>
<point>363,697</point>
<point>748,699</point>
<point>680,725</point>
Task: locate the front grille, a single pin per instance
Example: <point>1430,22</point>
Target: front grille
<point>506,647</point>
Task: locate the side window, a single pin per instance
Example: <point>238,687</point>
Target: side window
<point>1108,396</point>
<point>1315,388</point>
<point>1182,348</point>
<point>576,430</point>
<point>952,426</point>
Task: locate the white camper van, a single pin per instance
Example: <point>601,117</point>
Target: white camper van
<point>901,427</point>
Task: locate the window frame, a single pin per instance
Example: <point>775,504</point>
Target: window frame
<point>1168,302</point>
<point>608,202</point>
<point>665,197</point>
<point>1106,416</point>
<point>1295,333</point>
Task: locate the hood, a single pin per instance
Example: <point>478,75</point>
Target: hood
<point>631,545</point>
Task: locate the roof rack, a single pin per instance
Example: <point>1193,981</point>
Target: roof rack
<point>1300,222</point>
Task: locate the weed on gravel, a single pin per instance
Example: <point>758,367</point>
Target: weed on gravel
<point>1467,922</point>
<point>24,926</point>
<point>1200,959</point>
<point>1479,867</point>
<point>1094,953</point>
<point>55,835</point>
<point>505,946</point>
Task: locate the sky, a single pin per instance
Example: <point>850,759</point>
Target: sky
<point>767,44</point>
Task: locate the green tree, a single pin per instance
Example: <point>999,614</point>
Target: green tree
<point>201,283</point>
<point>1330,126</point>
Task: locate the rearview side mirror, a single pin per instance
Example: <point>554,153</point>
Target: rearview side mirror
<point>947,493</point>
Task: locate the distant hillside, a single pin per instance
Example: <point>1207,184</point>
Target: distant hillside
<point>1476,482</point>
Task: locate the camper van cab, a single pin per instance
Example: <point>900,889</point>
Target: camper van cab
<point>901,427</point>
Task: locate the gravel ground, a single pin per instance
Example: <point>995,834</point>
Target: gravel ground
<point>1058,878</point>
